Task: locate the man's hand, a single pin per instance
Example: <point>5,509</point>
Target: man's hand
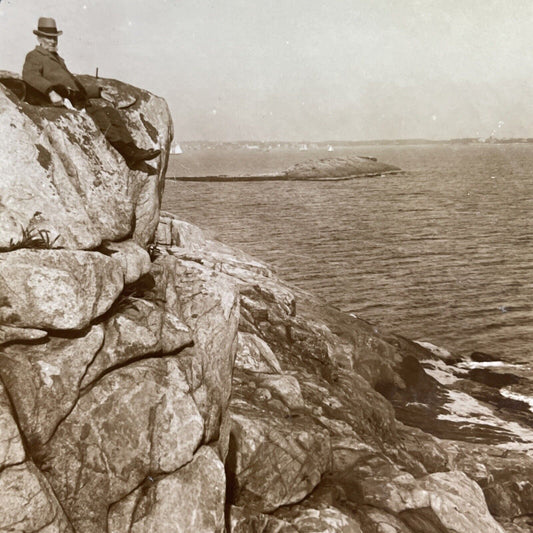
<point>61,89</point>
<point>55,98</point>
<point>68,104</point>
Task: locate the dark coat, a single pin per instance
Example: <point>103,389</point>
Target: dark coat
<point>43,70</point>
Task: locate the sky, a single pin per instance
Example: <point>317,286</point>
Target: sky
<point>309,70</point>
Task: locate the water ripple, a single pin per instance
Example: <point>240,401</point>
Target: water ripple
<point>441,253</point>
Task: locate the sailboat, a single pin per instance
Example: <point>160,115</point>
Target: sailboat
<point>330,148</point>
<point>303,147</point>
<point>176,149</point>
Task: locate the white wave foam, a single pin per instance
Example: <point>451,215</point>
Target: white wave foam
<point>472,365</point>
<point>507,393</point>
<point>463,408</point>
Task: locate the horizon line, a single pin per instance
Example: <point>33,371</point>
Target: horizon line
<point>479,139</point>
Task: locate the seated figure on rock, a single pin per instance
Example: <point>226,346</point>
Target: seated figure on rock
<point>46,72</point>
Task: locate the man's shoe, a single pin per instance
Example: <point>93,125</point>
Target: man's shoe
<point>147,155</point>
<point>132,154</point>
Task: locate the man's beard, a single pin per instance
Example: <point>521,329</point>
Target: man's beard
<point>50,47</point>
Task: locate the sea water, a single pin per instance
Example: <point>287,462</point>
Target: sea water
<point>442,253</point>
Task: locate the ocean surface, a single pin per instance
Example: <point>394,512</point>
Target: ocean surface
<point>441,253</point>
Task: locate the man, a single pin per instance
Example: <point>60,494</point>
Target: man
<point>45,71</point>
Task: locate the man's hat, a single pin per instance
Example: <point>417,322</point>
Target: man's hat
<point>46,27</point>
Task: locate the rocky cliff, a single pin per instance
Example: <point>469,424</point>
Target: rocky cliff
<point>152,379</point>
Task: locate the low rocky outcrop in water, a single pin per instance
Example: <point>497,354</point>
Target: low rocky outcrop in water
<point>152,379</point>
<point>326,169</point>
<point>338,168</point>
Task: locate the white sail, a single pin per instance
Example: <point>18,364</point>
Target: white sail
<point>176,149</point>
<point>330,148</point>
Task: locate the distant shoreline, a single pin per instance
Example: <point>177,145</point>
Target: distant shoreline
<point>323,145</point>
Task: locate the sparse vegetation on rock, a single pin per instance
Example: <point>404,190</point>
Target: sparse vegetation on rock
<point>35,238</point>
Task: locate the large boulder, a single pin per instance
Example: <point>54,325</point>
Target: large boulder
<point>505,475</point>
<point>138,329</point>
<point>60,175</point>
<point>57,289</point>
<point>27,502</point>
<point>11,448</point>
<point>208,304</point>
<point>136,423</point>
<point>191,499</point>
<point>446,501</point>
<point>275,460</point>
<point>133,259</point>
<point>44,378</point>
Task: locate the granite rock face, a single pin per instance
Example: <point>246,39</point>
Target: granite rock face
<point>57,289</point>
<point>208,303</point>
<point>153,379</point>
<point>60,175</point>
<point>27,502</point>
<point>314,447</point>
<point>192,499</point>
<point>137,422</point>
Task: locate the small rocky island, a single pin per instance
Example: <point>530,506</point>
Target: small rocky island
<point>152,379</point>
<point>324,169</point>
<point>339,168</point>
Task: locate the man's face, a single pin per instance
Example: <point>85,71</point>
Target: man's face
<point>48,43</point>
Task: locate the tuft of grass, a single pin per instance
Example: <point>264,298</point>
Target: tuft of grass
<point>31,238</point>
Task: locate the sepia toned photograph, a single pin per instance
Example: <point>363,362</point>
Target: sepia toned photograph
<point>266,266</point>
